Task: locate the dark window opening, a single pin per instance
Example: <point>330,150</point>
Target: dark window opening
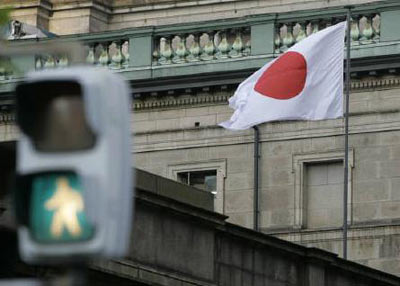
<point>203,180</point>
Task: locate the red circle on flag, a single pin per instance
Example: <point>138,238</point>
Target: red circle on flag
<point>285,78</point>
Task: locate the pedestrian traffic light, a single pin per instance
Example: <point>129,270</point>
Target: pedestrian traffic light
<point>74,193</point>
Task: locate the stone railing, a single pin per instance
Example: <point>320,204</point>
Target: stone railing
<point>175,50</point>
<point>50,61</point>
<point>365,29</point>
<point>6,69</point>
<point>201,46</point>
<point>111,54</point>
<point>114,55</point>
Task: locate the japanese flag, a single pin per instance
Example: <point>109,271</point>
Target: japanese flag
<point>304,83</point>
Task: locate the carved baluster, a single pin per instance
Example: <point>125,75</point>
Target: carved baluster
<point>309,28</point>
<point>366,31</point>
<point>63,61</point>
<point>282,35</point>
<point>49,62</point>
<point>354,31</point>
<point>376,26</point>
<point>312,27</point>
<point>209,48</point>
<point>194,50</point>
<point>180,52</point>
<point>289,41</point>
<point>104,58</point>
<point>277,42</point>
<point>156,50</point>
<point>116,58</point>
<point>165,50</point>
<point>90,59</point>
<point>287,38</point>
<point>125,53</point>
<point>38,63</point>
<point>223,46</point>
<point>247,48</point>
<point>237,45</point>
<point>299,32</point>
<point>316,27</point>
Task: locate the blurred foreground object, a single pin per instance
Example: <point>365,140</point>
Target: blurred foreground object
<point>74,191</point>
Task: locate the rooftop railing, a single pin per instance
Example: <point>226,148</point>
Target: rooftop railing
<point>229,44</point>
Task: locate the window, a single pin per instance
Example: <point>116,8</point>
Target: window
<point>205,175</point>
<point>203,180</point>
<point>319,189</point>
<point>324,194</point>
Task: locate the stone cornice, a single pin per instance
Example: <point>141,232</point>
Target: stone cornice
<point>375,231</point>
<point>206,95</point>
<point>174,102</point>
<point>174,98</point>
<point>373,83</point>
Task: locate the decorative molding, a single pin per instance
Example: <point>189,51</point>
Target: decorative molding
<point>375,83</point>
<point>167,101</point>
<point>160,100</point>
<point>355,232</point>
<point>153,101</point>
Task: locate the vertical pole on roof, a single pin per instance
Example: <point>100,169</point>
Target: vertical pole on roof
<point>256,171</point>
<point>346,132</point>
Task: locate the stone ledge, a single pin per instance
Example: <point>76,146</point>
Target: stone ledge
<point>354,233</point>
<point>138,272</point>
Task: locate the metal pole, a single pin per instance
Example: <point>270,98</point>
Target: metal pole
<point>346,133</point>
<point>256,164</point>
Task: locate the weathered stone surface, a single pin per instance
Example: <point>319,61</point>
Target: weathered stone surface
<point>238,201</point>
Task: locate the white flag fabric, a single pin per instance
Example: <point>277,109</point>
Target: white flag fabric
<point>304,83</point>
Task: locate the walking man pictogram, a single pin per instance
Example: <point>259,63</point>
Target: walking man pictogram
<point>66,203</point>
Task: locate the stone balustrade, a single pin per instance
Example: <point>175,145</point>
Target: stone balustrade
<point>114,54</point>
<point>50,61</point>
<point>111,54</point>
<point>365,29</point>
<point>153,51</point>
<point>201,46</point>
<point>6,69</point>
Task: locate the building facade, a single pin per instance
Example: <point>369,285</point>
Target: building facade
<point>184,59</point>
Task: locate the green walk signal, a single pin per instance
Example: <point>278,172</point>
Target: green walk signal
<point>57,211</point>
<point>74,183</point>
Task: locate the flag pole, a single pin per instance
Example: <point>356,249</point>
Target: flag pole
<point>256,165</point>
<point>346,132</point>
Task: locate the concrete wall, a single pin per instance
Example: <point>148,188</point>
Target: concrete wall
<point>175,244</point>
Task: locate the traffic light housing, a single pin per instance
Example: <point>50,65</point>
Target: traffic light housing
<point>74,191</point>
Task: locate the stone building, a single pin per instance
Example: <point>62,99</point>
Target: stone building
<point>184,59</point>
<point>177,240</point>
